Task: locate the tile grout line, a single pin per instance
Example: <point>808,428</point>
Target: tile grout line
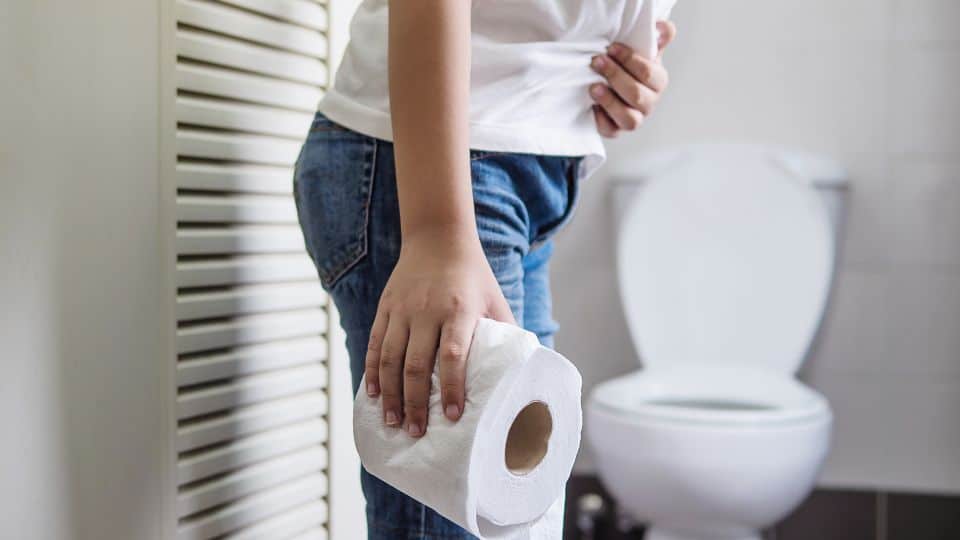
<point>881,521</point>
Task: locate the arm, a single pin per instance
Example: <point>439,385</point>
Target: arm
<point>442,282</point>
<point>429,74</point>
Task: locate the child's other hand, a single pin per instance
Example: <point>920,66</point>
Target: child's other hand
<point>442,284</point>
<point>634,84</point>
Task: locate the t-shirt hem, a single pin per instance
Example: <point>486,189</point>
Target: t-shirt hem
<point>485,137</point>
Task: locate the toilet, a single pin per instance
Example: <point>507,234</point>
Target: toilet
<point>725,257</point>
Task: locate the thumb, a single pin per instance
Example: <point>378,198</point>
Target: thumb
<point>667,31</point>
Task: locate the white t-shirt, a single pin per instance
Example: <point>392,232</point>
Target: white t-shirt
<point>529,77</point>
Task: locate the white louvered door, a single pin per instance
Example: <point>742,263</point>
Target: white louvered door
<point>252,321</point>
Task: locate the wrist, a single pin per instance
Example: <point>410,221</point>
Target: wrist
<point>444,236</point>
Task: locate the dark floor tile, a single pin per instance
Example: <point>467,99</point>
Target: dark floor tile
<point>577,487</point>
<point>923,517</point>
<point>832,515</point>
<point>602,523</point>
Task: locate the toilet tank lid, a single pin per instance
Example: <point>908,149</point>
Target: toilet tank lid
<point>821,171</point>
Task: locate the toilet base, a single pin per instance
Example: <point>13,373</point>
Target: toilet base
<point>656,533</point>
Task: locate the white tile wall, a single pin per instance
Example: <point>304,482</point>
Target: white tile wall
<point>854,337</point>
<point>876,85</point>
<point>869,229</point>
<point>766,21</point>
<point>924,199</point>
<point>924,325</point>
<point>897,433</point>
<point>831,95</point>
<point>926,20</point>
<point>924,109</point>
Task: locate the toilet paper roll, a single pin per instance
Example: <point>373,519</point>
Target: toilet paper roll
<point>499,472</point>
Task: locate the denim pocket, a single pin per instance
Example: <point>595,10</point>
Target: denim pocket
<point>332,186</point>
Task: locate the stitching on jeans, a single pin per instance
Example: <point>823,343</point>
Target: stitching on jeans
<point>573,191</point>
<point>357,254</point>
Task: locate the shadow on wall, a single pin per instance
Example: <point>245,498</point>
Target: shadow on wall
<point>84,439</point>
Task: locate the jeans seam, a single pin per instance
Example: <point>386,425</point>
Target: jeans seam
<point>296,199</point>
<point>572,196</point>
<point>358,254</point>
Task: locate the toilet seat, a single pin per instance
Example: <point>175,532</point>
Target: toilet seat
<point>710,395</point>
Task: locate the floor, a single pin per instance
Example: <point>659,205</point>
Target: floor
<point>827,514</point>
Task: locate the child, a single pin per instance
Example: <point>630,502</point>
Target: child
<point>435,175</point>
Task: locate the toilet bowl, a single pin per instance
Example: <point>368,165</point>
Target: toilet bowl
<point>725,256</point>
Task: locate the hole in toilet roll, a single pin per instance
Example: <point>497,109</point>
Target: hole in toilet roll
<point>528,437</point>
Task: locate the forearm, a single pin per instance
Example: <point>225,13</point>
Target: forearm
<point>429,75</point>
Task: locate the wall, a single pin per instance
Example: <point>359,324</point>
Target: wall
<point>347,503</point>
<point>83,379</point>
<point>873,84</point>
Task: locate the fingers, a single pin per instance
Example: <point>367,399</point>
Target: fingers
<point>623,116</point>
<point>455,341</point>
<point>668,31</point>
<point>392,353</point>
<point>417,371</point>
<point>627,86</point>
<point>649,73</point>
<point>372,362</point>
<point>605,124</point>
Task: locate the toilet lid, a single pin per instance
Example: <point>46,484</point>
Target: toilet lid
<point>725,258</point>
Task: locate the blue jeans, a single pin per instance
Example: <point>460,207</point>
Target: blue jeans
<point>346,194</point>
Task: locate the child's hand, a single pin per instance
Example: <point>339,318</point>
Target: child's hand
<point>634,84</point>
<point>441,286</point>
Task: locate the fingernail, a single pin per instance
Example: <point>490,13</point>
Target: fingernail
<point>453,411</point>
<point>414,429</point>
<point>614,49</point>
<point>596,90</point>
<point>598,62</point>
<point>372,389</point>
<point>392,418</point>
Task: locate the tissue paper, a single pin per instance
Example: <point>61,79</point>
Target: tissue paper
<point>499,472</point>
